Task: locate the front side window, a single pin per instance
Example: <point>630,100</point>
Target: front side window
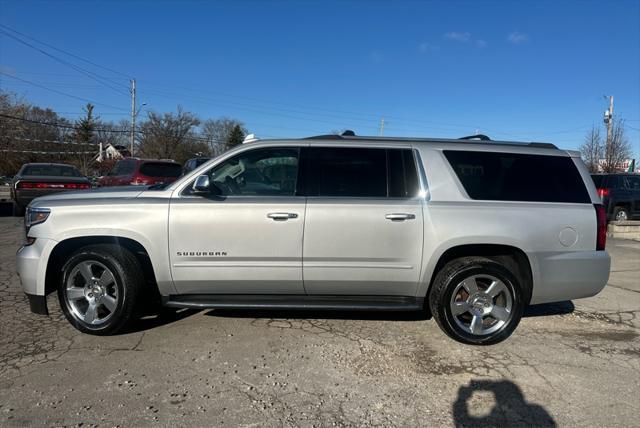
<point>259,172</point>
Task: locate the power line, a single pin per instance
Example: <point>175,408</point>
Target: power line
<point>65,52</point>
<point>60,92</point>
<point>34,140</point>
<point>42,152</point>
<point>91,75</point>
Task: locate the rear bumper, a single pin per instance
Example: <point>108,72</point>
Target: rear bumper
<point>570,275</point>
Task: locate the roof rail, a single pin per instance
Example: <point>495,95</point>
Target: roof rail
<point>480,137</point>
<point>472,139</point>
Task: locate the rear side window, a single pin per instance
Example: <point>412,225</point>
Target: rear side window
<point>361,172</point>
<point>518,177</point>
<point>160,169</point>
<point>632,182</point>
<point>353,172</point>
<point>124,168</point>
<point>403,177</point>
<point>598,180</point>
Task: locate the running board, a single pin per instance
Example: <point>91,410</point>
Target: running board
<point>297,302</point>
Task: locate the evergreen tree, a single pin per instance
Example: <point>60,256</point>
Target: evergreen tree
<point>236,137</point>
<point>83,134</point>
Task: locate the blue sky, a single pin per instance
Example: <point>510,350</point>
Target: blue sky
<point>529,70</point>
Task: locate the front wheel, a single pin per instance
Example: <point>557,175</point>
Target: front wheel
<point>99,288</point>
<point>476,300</point>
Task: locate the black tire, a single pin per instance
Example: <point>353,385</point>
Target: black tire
<point>448,281</point>
<point>621,211</point>
<point>18,210</point>
<point>128,281</point>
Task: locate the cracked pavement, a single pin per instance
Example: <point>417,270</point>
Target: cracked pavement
<point>567,364</point>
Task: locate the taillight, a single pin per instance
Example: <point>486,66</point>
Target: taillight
<point>601,231</point>
<point>603,193</point>
<point>29,185</point>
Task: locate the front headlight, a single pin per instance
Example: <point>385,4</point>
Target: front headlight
<point>35,216</point>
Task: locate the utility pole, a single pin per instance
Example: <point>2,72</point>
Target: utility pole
<point>381,126</point>
<point>608,120</point>
<point>133,114</point>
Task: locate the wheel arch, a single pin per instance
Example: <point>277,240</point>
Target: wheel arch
<point>514,258</point>
<point>63,249</point>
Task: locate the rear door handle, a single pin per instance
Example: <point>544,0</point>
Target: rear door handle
<point>282,216</point>
<point>399,216</point>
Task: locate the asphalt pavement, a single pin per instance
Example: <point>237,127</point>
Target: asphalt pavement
<point>568,364</point>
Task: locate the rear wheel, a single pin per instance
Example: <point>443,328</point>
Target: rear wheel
<point>476,300</point>
<point>99,288</point>
<point>18,210</point>
<point>620,214</point>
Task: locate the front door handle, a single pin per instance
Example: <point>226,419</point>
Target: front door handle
<point>400,216</point>
<point>282,216</point>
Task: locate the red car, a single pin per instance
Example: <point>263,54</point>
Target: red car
<point>134,171</point>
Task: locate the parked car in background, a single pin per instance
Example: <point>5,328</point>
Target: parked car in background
<point>620,195</point>
<point>192,164</point>
<point>134,171</point>
<point>39,179</point>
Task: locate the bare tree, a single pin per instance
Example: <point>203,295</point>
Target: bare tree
<point>592,149</point>
<point>218,132</point>
<point>171,136</point>
<point>617,150</point>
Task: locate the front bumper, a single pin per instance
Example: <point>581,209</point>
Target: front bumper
<point>570,275</point>
<point>31,263</point>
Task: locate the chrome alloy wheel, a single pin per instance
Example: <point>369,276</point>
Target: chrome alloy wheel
<point>91,292</point>
<point>481,304</point>
<point>621,216</point>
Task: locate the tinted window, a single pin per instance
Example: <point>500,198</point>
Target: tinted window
<point>51,170</point>
<point>124,168</point>
<point>597,180</point>
<point>518,177</point>
<point>403,177</point>
<point>632,182</point>
<point>354,172</point>
<point>272,172</point>
<point>160,169</point>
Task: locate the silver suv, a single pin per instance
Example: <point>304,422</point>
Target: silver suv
<point>462,229</point>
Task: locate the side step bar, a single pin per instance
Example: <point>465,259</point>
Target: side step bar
<point>297,302</point>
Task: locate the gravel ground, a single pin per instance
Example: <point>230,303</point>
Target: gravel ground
<point>567,364</point>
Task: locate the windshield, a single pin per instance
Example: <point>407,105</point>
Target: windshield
<point>51,171</point>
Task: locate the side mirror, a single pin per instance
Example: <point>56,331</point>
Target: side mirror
<point>203,185</point>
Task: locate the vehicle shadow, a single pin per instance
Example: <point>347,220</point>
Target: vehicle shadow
<point>320,314</point>
<point>510,408</point>
<point>158,318</point>
<point>546,309</point>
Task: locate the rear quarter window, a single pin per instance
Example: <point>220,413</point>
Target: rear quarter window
<point>160,169</point>
<point>518,177</point>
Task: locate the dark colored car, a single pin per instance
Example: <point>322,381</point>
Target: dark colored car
<point>134,171</point>
<point>192,164</point>
<point>620,195</point>
<point>39,179</point>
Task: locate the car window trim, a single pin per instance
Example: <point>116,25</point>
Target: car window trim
<point>183,191</point>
